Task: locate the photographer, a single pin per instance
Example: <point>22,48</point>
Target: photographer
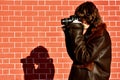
<point>88,44</point>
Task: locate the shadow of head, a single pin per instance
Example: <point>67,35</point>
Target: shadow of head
<point>38,65</point>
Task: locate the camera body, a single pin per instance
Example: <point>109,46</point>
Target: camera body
<point>69,20</point>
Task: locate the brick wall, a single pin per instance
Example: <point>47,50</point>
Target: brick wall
<point>33,26</point>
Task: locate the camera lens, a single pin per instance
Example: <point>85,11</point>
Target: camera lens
<point>66,21</point>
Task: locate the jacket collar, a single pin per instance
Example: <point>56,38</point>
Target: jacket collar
<point>95,31</point>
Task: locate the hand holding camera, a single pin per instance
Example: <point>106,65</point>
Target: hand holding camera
<point>71,19</point>
<point>74,20</point>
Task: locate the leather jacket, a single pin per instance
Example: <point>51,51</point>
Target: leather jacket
<point>90,52</point>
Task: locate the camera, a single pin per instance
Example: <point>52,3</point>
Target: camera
<point>69,20</point>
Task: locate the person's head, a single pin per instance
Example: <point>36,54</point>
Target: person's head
<point>88,13</point>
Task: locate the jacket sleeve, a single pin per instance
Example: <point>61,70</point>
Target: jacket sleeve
<point>69,38</point>
<point>86,52</point>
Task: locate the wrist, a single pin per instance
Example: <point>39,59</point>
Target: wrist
<point>85,26</point>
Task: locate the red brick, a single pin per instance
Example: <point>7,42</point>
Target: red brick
<point>104,13</point>
<point>1,71</point>
<point>65,3</point>
<point>5,40</point>
<point>42,24</point>
<point>113,28</point>
<point>65,7</point>
<point>14,61</point>
<point>28,45</point>
<point>112,24</point>
<point>53,39</point>
<point>117,2</point>
<point>19,77</point>
<point>29,7</point>
<point>29,13</point>
<point>53,34</point>
<point>6,13</point>
<point>116,39</point>
<point>101,3</point>
<point>17,2</point>
<point>41,2</point>
<point>115,70</point>
<point>17,7</point>
<point>112,2</point>
<point>58,76</point>
<point>17,39</point>
<point>6,61</point>
<point>52,13</point>
<point>18,34</point>
<point>59,54</point>
<point>6,72</point>
<point>114,64</point>
<point>17,29</point>
<point>18,66</point>
<point>75,2</point>
<point>114,75</point>
<point>66,75</point>
<point>62,49</point>
<point>42,13</point>
<point>112,18</point>
<point>53,3</point>
<point>29,23</point>
<point>115,59</point>
<point>18,13</point>
<point>107,8</point>
<point>6,2</point>
<point>64,60</point>
<point>112,13</point>
<point>6,55</point>
<point>6,66</point>
<point>53,24</point>
<point>41,29</point>
<point>3,29</point>
<point>54,50</point>
<point>41,18</point>
<point>43,40</point>
<point>54,44</point>
<point>5,7</point>
<point>7,24</point>
<point>6,45</point>
<point>118,23</point>
<point>16,71</point>
<point>118,54</point>
<point>18,50</point>
<point>29,34</point>
<point>5,50</point>
<point>7,77</point>
<point>63,70</point>
<point>118,44</point>
<point>53,8</point>
<point>5,18</point>
<point>17,18</point>
<point>118,75</point>
<point>29,2</point>
<point>41,7</point>
<point>58,65</point>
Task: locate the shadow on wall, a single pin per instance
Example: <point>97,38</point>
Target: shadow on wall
<point>38,66</point>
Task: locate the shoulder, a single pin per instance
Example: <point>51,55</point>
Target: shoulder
<point>101,27</point>
<point>99,30</point>
<point>99,34</point>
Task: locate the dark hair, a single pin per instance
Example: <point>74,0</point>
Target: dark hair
<point>88,11</point>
